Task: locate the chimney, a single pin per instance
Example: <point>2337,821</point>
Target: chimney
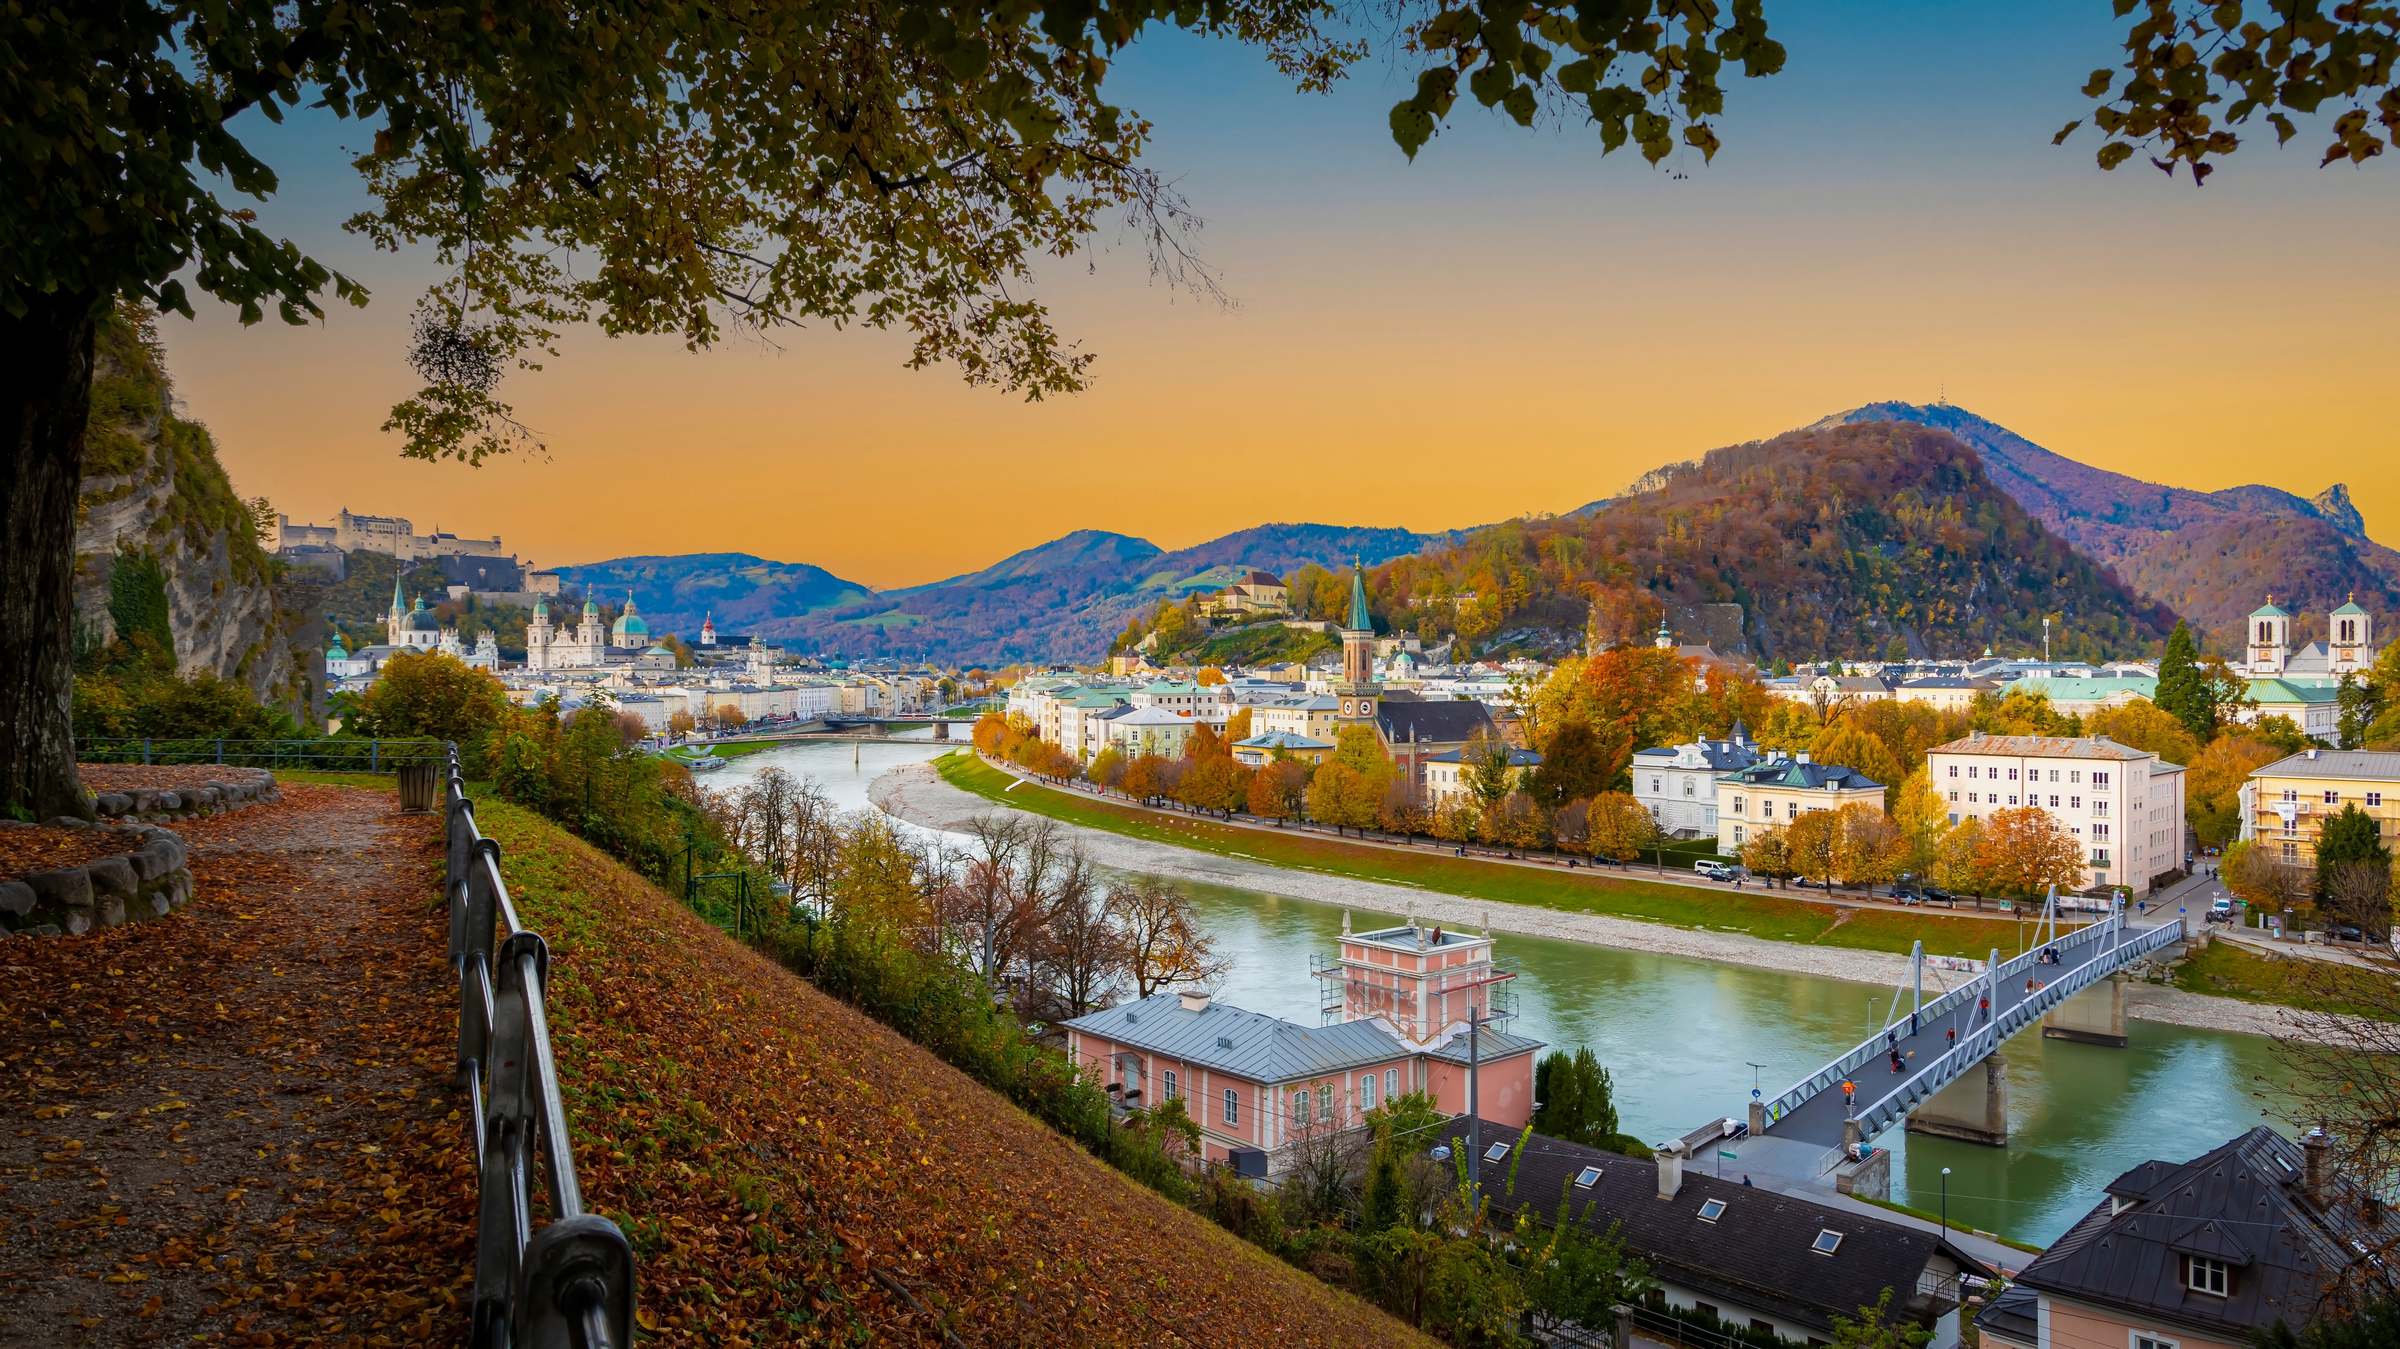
<point>1194,1002</point>
<point>2312,1167</point>
<point>2312,753</point>
<point>1802,757</point>
<point>1670,1169</point>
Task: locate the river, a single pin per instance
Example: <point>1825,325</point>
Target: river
<point>1680,1037</point>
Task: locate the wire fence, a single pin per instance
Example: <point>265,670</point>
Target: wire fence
<point>328,754</point>
<point>570,1283</point>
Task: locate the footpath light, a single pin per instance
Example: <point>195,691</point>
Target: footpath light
<point>1945,1203</point>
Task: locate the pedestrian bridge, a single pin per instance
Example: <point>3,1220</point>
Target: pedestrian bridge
<point>1992,1006</point>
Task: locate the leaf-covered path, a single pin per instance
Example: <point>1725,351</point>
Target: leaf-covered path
<point>231,1126</point>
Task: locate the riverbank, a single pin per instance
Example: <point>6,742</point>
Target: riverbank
<point>919,794</point>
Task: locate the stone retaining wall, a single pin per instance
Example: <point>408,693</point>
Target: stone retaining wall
<point>150,880</point>
<point>231,789</point>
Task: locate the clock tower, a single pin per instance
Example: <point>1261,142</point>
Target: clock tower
<point>1357,689</point>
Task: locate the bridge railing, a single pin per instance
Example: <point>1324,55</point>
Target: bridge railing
<point>1873,1047</point>
<point>1980,1041</point>
<point>569,1284</point>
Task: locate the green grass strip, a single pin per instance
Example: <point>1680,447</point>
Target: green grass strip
<point>1756,913</point>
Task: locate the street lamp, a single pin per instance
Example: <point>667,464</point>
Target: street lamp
<point>1945,1203</point>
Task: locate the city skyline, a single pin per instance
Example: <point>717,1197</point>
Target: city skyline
<point>1509,324</point>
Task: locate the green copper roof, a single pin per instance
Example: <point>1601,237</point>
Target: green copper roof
<point>2269,611</point>
<point>2350,609</point>
<point>1360,620</point>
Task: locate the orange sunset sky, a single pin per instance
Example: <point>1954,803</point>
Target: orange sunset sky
<point>1510,324</point>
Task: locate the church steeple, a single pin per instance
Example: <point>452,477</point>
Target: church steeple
<point>1358,691</point>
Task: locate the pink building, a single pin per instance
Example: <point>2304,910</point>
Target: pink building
<point>1398,1003</point>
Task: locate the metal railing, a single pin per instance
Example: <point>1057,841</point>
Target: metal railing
<point>330,754</point>
<point>569,1284</point>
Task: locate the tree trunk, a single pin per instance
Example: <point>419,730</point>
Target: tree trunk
<point>45,398</point>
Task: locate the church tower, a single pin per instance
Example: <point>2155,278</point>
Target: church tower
<point>1357,690</point>
<point>2352,634</point>
<point>2270,639</point>
<point>395,624</point>
<point>538,636</point>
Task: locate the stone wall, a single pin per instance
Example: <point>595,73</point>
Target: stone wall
<point>230,789</point>
<point>149,880</point>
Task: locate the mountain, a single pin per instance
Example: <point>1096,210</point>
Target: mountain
<point>2212,556</point>
<point>742,592</point>
<point>1066,600</point>
<point>1836,540</point>
<point>1085,548</point>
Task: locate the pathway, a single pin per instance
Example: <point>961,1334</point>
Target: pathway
<point>228,1126</point>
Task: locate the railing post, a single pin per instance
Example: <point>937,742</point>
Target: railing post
<point>374,756</point>
<point>145,751</point>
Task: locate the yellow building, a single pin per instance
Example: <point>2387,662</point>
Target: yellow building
<point>2285,804</point>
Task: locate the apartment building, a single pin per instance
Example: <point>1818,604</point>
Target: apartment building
<point>1776,791</point>
<point>2125,805</point>
<point>2285,804</point>
<point>1677,784</point>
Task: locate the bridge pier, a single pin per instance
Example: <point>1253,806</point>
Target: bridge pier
<point>1974,1107</point>
<point>941,730</point>
<point>2096,1016</point>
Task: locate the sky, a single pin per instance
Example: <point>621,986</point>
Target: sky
<point>1512,323</point>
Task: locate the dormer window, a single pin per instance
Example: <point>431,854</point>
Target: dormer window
<point>2203,1275</point>
<point>2118,1203</point>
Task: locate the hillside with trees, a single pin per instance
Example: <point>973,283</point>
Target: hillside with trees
<point>1847,542</point>
<point>2211,556</point>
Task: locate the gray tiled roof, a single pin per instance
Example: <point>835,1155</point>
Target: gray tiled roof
<point>1252,1045</point>
<point>1793,773</point>
<point>2335,763</point>
<point>2240,1203</point>
<point>2042,747</point>
<point>1756,1254</point>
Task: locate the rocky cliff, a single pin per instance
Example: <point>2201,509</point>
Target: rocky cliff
<point>158,514</point>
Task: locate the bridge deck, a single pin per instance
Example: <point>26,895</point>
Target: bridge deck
<point>1955,1032</point>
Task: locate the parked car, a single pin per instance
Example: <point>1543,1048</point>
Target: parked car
<point>2221,911</point>
<point>1935,893</point>
<point>1707,864</point>
<point>2344,932</point>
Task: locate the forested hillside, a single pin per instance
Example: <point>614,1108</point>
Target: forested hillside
<point>1838,541</point>
<point>2211,556</point>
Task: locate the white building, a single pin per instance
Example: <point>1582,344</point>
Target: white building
<point>2124,804</point>
<point>1775,791</point>
<point>2349,648</point>
<point>1677,784</point>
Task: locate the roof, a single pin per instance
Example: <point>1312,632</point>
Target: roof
<point>2084,690</point>
<point>1948,682</point>
<point>1281,740</point>
<point>1249,1045</point>
<point>2334,763</point>
<point>2042,747</point>
<point>1757,1253</point>
<point>2282,692</point>
<point>2242,1203</point>
<point>2350,608</point>
<point>1453,722</point>
<point>1153,716</point>
<point>2015,1315</point>
<point>2268,610</point>
<point>1517,758</point>
<point>1793,773</point>
<point>1260,578</point>
<point>1722,756</point>
<point>1360,619</point>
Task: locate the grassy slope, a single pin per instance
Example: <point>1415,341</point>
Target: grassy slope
<point>768,1148</point>
<point>2228,971</point>
<point>1757,913</point>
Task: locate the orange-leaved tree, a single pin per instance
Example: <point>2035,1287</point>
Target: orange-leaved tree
<point>1870,849</point>
<point>2024,851</point>
<point>1813,845</point>
<point>1279,791</point>
<point>1618,826</point>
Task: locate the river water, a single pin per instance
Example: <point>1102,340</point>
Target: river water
<point>1681,1036</point>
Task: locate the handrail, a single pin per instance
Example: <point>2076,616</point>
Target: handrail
<point>324,754</point>
<point>570,1283</point>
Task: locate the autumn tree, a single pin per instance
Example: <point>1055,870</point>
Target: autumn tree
<point>2024,851</point>
<point>1923,818</point>
<point>1146,778</point>
<point>1279,791</point>
<point>1812,846</point>
<point>1517,821</point>
<point>1079,956</point>
<point>1487,769</point>
<point>2212,792</point>
<point>1869,848</point>
<point>1107,767</point>
<point>1402,811</point>
<point>1619,828</point>
<point>1165,940</point>
<point>680,724</point>
<point>1574,766</point>
<point>1237,727</point>
<point>1846,743</point>
<point>2265,882</point>
<point>1767,852</point>
<point>1958,861</point>
<point>2019,711</point>
<point>1571,826</point>
<point>432,695</point>
<point>2145,726</point>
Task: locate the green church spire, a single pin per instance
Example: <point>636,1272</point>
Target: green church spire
<point>1360,620</point>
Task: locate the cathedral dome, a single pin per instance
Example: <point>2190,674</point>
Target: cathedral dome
<point>631,624</point>
<point>421,619</point>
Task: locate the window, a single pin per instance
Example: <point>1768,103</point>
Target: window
<point>2333,796</point>
<point>1954,770</point>
<point>1366,1092</point>
<point>1233,1106</point>
<point>2054,802</point>
<point>2145,1340</point>
<point>2074,803</point>
<point>1168,1082</point>
<point>1827,1242</point>
<point>1738,804</point>
<point>1495,1152</point>
<point>2099,857</point>
<point>1973,799</point>
<point>1324,1105</point>
<point>2099,779</point>
<point>2012,800</point>
<point>2054,775</point>
<point>1705,1309</point>
<point>1656,787</point>
<point>1762,1327</point>
<point>1391,1083</point>
<point>2374,798</point>
<point>1971,770</point>
<point>1587,1178</point>
<point>1954,817</point>
<point>1689,784</point>
<point>2291,852</point>
<point>1737,834</point>
<point>1954,796</point>
<point>2099,831</point>
<point>2099,807</point>
<point>2203,1275</point>
<point>2012,774</point>
<point>2075,775</point>
<point>1300,1108</point>
<point>1712,1210</point>
<point>1791,810</point>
